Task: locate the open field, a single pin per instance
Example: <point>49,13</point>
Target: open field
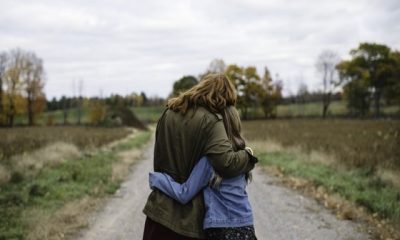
<point>56,116</point>
<point>149,114</point>
<point>145,114</point>
<point>55,199</point>
<point>359,143</point>
<point>314,109</point>
<point>358,160</point>
<point>152,113</point>
<point>336,108</point>
<point>18,140</point>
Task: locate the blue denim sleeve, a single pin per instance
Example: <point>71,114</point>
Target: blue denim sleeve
<point>183,193</point>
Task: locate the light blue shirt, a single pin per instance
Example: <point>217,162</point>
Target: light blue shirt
<point>226,206</point>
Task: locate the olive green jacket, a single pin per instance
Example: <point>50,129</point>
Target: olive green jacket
<point>181,140</point>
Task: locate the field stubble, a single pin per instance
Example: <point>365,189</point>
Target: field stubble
<point>354,143</point>
<point>19,140</point>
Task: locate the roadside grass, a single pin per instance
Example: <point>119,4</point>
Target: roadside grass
<point>24,203</point>
<point>134,142</point>
<point>358,185</point>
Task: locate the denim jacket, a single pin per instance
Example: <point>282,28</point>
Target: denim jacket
<point>226,206</point>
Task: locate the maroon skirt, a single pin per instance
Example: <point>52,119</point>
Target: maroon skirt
<point>156,231</point>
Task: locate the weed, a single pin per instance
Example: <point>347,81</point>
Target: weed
<point>44,196</point>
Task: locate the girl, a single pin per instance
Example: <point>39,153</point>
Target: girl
<point>228,212</point>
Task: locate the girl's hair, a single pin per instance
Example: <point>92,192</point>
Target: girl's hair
<point>214,92</point>
<point>233,127</point>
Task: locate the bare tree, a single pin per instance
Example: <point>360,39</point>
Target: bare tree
<point>215,66</point>
<point>79,101</point>
<point>33,80</point>
<point>326,66</point>
<point>13,82</point>
<point>302,93</point>
<point>65,106</point>
<point>3,67</point>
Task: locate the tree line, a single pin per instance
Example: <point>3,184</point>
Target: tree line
<point>253,90</point>
<point>367,81</point>
<point>99,106</point>
<point>371,76</point>
<point>22,79</point>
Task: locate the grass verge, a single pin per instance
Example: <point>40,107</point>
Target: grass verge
<point>358,185</point>
<point>24,203</point>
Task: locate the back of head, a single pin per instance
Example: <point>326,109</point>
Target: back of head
<point>214,92</point>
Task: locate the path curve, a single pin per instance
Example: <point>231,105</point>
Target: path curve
<point>280,213</point>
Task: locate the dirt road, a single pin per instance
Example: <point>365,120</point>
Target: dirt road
<point>280,213</point>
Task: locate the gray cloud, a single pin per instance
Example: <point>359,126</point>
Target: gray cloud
<point>124,46</point>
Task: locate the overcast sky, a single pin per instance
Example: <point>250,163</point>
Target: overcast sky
<point>124,46</point>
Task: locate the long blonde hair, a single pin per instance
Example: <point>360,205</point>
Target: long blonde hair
<point>214,92</point>
<point>233,128</point>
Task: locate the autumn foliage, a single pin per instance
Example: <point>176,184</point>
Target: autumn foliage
<point>21,86</point>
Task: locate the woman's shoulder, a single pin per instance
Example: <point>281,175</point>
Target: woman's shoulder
<point>205,113</point>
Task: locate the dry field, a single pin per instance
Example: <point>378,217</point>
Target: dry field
<point>356,143</point>
<point>19,140</point>
<point>350,166</point>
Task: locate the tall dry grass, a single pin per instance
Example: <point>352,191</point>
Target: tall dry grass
<point>65,221</point>
<point>4,175</point>
<point>313,156</point>
<point>52,155</point>
<point>19,140</point>
<point>355,143</point>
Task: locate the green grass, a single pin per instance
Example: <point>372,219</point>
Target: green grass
<point>135,142</point>
<point>145,114</point>
<point>148,114</point>
<point>54,187</point>
<point>357,185</point>
<point>152,114</point>
<point>314,109</point>
<point>58,117</point>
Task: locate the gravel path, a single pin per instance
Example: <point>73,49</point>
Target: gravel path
<point>280,213</point>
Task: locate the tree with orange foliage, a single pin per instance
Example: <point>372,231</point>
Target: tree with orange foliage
<point>254,91</point>
<point>22,75</point>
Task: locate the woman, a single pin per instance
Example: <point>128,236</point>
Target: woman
<point>228,212</point>
<point>191,127</point>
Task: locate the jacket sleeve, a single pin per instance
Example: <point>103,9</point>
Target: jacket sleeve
<point>183,193</point>
<point>222,157</point>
